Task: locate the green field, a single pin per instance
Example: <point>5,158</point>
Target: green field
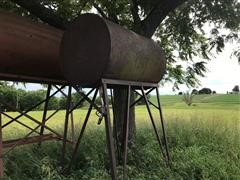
<point>204,141</point>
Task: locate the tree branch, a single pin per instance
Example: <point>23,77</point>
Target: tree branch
<point>135,15</point>
<point>43,13</point>
<point>157,15</point>
<point>100,10</point>
<point>112,16</point>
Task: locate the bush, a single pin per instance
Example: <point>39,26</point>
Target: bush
<point>53,103</point>
<point>31,98</point>
<point>205,91</point>
<point>194,91</point>
<point>62,102</point>
<point>188,98</point>
<point>76,97</point>
<point>9,95</point>
<point>235,89</point>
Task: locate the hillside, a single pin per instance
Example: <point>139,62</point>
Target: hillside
<point>225,101</point>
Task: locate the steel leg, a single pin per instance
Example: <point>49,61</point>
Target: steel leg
<point>66,125</point>
<point>45,111</point>
<point>163,126</point>
<point>81,132</point>
<point>109,135</point>
<point>1,149</point>
<point>72,128</point>
<point>153,123</point>
<point>126,129</point>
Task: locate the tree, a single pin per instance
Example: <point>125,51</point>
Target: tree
<point>194,91</point>
<point>178,25</point>
<point>8,94</point>
<point>76,97</point>
<point>205,91</point>
<point>235,89</point>
<point>53,103</point>
<point>188,98</point>
<point>62,102</point>
<point>31,98</point>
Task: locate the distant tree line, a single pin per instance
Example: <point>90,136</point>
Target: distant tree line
<point>235,90</point>
<point>23,100</point>
<point>201,91</point>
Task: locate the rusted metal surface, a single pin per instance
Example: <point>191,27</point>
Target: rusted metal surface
<point>30,140</point>
<point>29,51</point>
<point>93,48</point>
<point>1,149</point>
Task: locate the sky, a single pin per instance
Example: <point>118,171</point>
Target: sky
<point>223,74</point>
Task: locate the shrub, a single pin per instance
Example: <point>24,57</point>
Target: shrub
<point>188,98</point>
<point>31,98</point>
<point>205,91</point>
<point>194,91</point>
<point>53,103</point>
<point>9,95</point>
<point>235,89</point>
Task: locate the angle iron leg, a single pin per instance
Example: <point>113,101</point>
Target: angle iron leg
<point>68,105</point>
<point>163,126</point>
<point>45,111</point>
<point>72,126</point>
<point>109,135</point>
<point>1,148</point>
<point>126,134</point>
<point>153,123</point>
<point>81,132</point>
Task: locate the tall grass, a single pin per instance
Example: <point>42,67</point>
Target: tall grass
<point>204,144</point>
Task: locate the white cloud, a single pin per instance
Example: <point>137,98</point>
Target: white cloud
<point>223,73</point>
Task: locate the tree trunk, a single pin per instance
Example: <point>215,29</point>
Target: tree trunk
<point>120,107</point>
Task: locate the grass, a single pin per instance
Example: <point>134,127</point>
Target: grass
<point>204,142</point>
<point>216,101</point>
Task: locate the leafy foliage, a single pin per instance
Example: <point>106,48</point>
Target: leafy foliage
<point>236,88</point>
<point>9,94</point>
<point>196,28</point>
<point>205,91</point>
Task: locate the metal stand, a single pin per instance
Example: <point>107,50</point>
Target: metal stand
<point>29,138</point>
<point>109,137</point>
<point>105,111</point>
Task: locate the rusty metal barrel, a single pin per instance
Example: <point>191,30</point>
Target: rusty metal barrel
<point>29,51</point>
<point>93,48</point>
